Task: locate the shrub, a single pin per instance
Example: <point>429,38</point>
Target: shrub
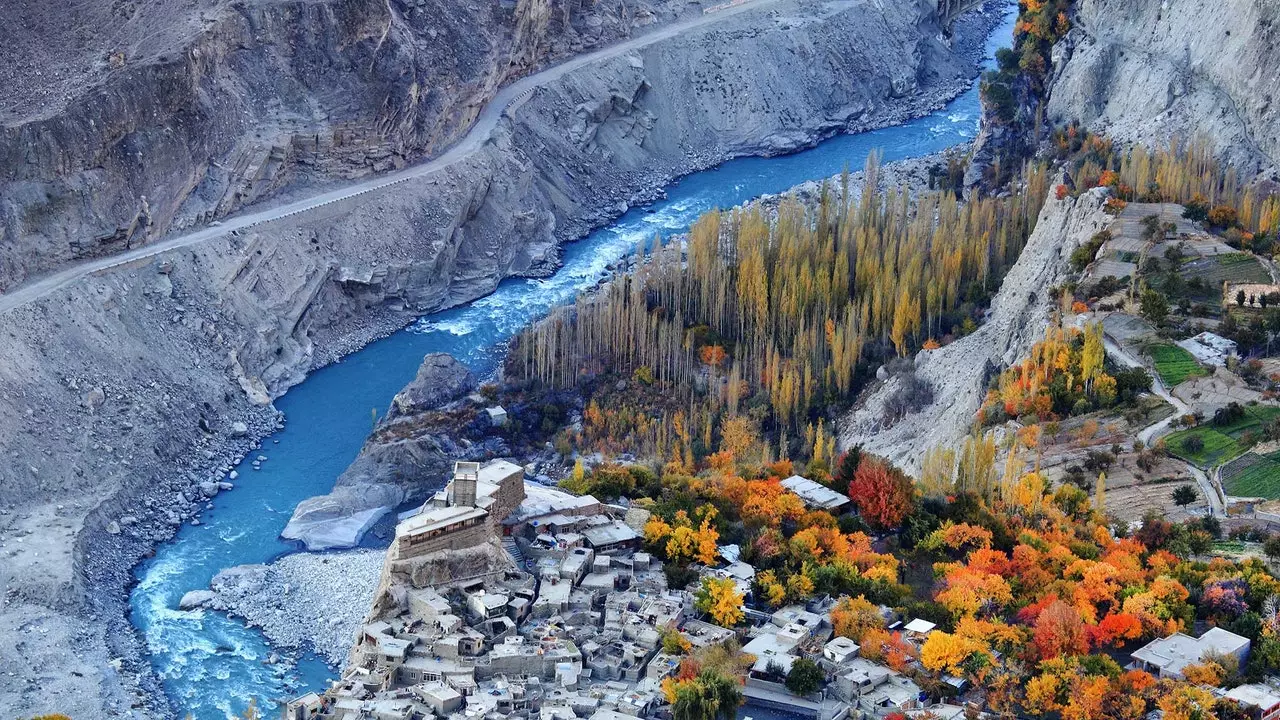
<point>912,394</point>
<point>1233,412</point>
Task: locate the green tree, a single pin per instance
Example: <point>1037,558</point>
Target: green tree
<point>1272,547</point>
<point>711,696</point>
<point>1184,495</point>
<point>1154,306</point>
<point>805,677</point>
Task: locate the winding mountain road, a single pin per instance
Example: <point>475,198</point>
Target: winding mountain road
<point>508,98</point>
<point>1208,486</point>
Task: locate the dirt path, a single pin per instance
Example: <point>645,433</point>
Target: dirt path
<point>510,97</point>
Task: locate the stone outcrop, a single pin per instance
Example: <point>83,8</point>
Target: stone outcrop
<point>341,518</point>
<point>440,379</point>
<point>958,371</point>
<point>1149,70</point>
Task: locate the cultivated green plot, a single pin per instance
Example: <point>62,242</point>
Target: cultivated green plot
<point>1253,475</point>
<point>1209,445</point>
<point>1174,364</point>
<point>1212,271</point>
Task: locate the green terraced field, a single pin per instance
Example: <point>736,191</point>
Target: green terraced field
<point>1220,443</point>
<point>1253,476</point>
<point>1175,364</point>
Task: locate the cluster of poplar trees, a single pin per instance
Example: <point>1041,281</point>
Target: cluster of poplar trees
<point>787,302</point>
<point>1181,173</point>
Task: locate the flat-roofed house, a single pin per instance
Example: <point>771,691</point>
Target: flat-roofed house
<point>1166,657</point>
<point>1262,699</point>
<point>815,494</point>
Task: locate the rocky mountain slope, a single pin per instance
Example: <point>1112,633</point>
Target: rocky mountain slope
<point>122,392</point>
<point>958,371</point>
<point>181,112</point>
<point>1149,70</point>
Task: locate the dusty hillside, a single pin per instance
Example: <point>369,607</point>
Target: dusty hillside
<point>957,372</point>
<point>121,393</point>
<point>1148,70</point>
<point>121,121</point>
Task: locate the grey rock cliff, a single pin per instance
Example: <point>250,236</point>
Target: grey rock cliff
<point>440,379</point>
<point>179,114</point>
<point>402,460</point>
<point>1151,70</point>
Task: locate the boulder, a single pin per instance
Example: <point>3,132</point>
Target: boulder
<point>195,599</point>
<point>341,518</point>
<point>239,429</point>
<point>440,379</point>
<point>93,399</point>
<point>209,488</point>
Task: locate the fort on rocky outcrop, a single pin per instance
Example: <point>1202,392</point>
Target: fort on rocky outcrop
<point>466,513</point>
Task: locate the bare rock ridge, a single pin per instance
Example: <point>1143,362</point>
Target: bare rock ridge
<point>1149,70</point>
<point>958,371</point>
<point>124,391</point>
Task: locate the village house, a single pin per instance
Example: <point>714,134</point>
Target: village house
<point>840,650</point>
<point>1263,700</point>
<point>1166,657</point>
<point>1209,348</point>
<point>815,495</point>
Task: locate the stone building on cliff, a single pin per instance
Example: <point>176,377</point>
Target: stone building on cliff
<point>466,513</point>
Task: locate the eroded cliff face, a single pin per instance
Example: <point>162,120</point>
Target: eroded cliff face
<point>1149,70</point>
<point>121,392</point>
<point>168,116</point>
<point>957,372</point>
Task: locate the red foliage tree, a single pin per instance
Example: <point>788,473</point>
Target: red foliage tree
<point>883,495</point>
<point>1060,631</point>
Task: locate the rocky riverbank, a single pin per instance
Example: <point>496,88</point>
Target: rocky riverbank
<point>184,349</point>
<point>303,601</point>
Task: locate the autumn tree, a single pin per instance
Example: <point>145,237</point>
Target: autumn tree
<point>882,494</point>
<point>846,467</point>
<point>954,654</point>
<point>1059,630</point>
<point>719,598</point>
<point>710,695</point>
<point>854,617</point>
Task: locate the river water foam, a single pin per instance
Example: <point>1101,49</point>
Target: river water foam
<point>212,665</point>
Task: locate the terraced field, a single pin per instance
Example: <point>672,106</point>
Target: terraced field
<point>1174,364</point>
<point>1218,444</point>
<point>1217,269</point>
<point>1253,475</point>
